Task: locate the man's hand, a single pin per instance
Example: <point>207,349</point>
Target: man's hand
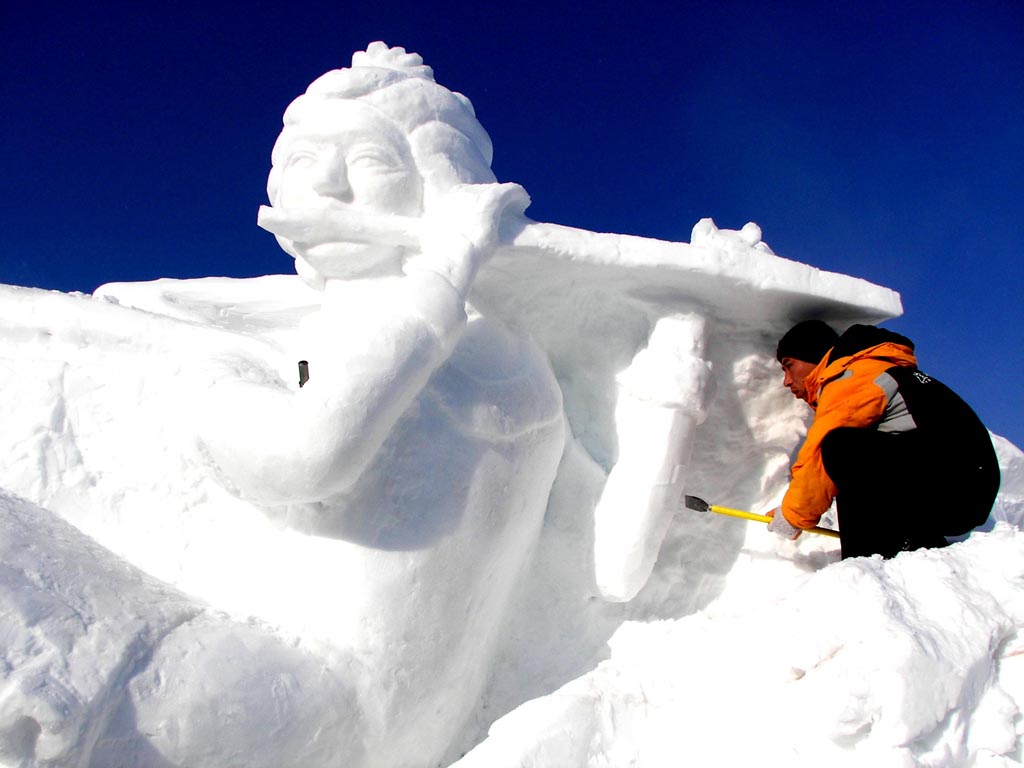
<point>781,526</point>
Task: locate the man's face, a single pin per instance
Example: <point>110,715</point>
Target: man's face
<point>796,372</point>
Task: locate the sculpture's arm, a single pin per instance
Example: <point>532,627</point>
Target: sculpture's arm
<point>662,398</point>
<point>373,356</point>
<point>376,346</point>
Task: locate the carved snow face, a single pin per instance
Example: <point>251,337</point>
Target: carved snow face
<point>345,155</point>
<point>350,156</point>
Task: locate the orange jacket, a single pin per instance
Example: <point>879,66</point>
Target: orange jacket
<point>842,393</point>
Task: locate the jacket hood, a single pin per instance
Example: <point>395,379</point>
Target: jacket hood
<point>833,366</point>
<point>858,338</point>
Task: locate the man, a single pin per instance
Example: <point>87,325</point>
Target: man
<point>908,462</point>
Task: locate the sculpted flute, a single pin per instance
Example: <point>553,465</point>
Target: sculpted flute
<point>325,225</point>
<point>516,233</point>
<point>709,272</point>
<point>316,225</point>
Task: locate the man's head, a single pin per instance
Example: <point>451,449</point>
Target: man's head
<point>800,350</point>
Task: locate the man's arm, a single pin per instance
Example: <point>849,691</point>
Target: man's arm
<point>852,401</point>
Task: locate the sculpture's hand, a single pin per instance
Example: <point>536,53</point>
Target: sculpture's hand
<point>460,231</point>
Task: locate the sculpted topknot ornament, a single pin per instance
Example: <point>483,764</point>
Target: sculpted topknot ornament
<point>378,54</point>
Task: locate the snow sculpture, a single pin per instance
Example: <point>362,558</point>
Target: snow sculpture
<point>379,171</point>
<point>430,443</point>
<point>425,442</point>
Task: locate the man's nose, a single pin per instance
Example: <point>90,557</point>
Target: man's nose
<point>332,178</point>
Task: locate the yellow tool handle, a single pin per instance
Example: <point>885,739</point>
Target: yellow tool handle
<point>766,519</point>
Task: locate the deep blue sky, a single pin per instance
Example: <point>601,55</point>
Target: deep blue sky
<point>883,140</point>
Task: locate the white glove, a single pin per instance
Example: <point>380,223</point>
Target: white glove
<point>781,526</point>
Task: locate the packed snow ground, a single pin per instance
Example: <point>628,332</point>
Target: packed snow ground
<point>150,617</point>
<point>914,661</point>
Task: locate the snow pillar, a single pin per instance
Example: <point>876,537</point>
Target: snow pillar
<point>663,396</point>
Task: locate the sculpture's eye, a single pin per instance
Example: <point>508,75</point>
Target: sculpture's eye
<point>301,160</point>
<point>372,158</point>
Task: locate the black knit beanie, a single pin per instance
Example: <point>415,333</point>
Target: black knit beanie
<point>808,341</point>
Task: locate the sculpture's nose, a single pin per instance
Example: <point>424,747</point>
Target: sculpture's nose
<point>332,177</point>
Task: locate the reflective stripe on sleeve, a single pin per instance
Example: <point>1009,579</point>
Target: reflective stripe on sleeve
<point>896,417</point>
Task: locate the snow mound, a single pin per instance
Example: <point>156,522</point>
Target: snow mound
<point>913,661</point>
